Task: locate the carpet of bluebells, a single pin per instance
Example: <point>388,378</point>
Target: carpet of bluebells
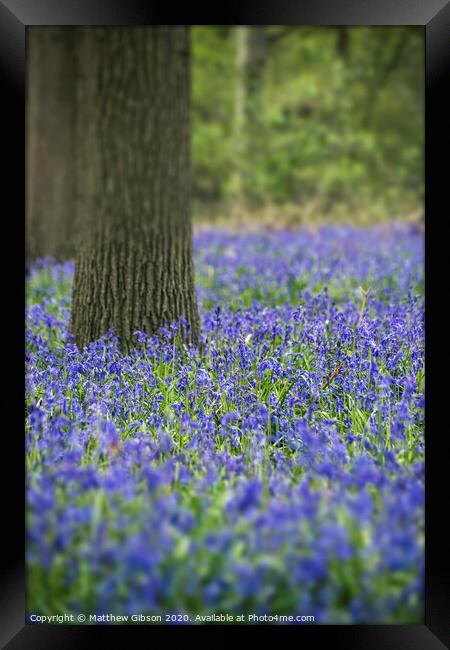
<point>276,469</point>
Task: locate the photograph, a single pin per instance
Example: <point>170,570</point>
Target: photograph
<point>225,271</point>
<point>225,369</point>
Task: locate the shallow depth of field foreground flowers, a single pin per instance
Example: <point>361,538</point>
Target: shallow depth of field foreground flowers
<point>277,470</point>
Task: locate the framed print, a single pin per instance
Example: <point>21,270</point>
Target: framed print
<point>234,273</point>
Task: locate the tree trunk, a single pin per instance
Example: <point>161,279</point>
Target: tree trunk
<point>256,69</point>
<point>241,40</point>
<point>134,268</point>
<point>255,109</point>
<point>342,42</point>
<point>51,107</point>
<point>251,55</point>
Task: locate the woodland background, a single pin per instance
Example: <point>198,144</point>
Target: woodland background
<point>305,123</point>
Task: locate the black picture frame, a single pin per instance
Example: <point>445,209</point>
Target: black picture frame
<point>434,16</point>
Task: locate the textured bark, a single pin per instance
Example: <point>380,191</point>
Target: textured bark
<point>51,107</point>
<point>134,268</point>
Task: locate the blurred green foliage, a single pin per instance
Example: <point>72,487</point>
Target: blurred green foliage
<point>333,121</point>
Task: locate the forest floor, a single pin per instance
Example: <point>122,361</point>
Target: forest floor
<point>279,471</point>
<point>311,214</point>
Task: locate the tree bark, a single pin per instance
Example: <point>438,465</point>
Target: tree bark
<point>241,40</point>
<point>134,267</point>
<point>51,107</point>
<point>342,42</point>
<point>255,109</point>
<point>251,56</point>
<point>256,69</point>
